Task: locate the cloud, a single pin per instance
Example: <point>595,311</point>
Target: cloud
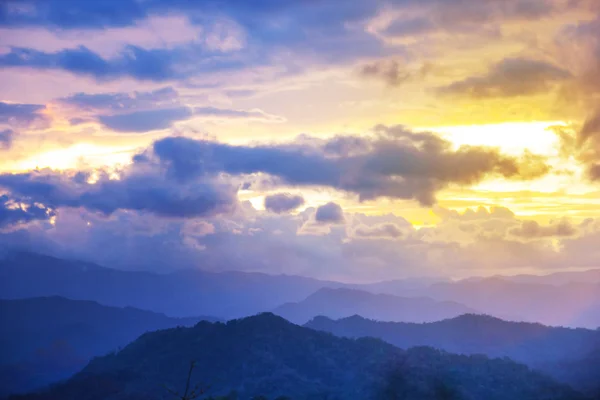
<point>588,145</point>
<point>510,77</point>
<point>481,213</point>
<point>147,111</point>
<point>144,189</point>
<point>20,114</point>
<point>283,202</point>
<point>144,121</point>
<point>254,240</point>
<point>465,16</point>
<point>409,27</point>
<point>583,144</point>
<point>14,212</point>
<point>230,113</point>
<point>381,231</point>
<point>393,163</point>
<point>156,65</point>
<point>15,116</point>
<point>388,71</point>
<point>590,131</point>
<point>72,14</point>
<point>288,34</point>
<point>330,213</point>
<point>118,101</point>
<point>6,138</point>
<point>533,230</point>
<point>183,177</point>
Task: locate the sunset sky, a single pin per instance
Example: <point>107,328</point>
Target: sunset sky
<point>350,140</point>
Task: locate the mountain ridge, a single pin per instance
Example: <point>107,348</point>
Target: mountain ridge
<point>267,355</point>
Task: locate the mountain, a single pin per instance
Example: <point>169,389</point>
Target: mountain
<point>267,356</point>
<point>51,338</point>
<point>227,295</point>
<point>397,287</point>
<point>182,294</point>
<point>550,349</point>
<point>573,304</point>
<point>558,278</point>
<point>342,302</point>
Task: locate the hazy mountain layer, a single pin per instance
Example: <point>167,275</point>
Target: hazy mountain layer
<point>339,303</point>
<point>46,339</point>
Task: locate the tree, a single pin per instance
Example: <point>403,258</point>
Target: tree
<point>189,394</point>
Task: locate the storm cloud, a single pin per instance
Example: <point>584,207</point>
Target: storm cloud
<point>283,202</point>
<point>393,163</point>
<point>509,78</point>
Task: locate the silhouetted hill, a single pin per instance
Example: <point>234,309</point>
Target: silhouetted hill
<point>266,355</point>
<point>339,303</point>
<point>46,339</point>
<point>549,349</point>
<point>183,293</point>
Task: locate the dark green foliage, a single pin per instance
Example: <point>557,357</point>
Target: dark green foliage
<point>564,353</point>
<point>268,356</point>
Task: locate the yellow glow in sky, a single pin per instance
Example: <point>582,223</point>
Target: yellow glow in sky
<point>81,154</point>
<point>510,137</point>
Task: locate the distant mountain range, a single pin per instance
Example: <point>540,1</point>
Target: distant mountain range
<point>562,352</point>
<point>339,303</point>
<point>180,294</point>
<point>557,278</point>
<point>267,356</point>
<point>46,339</point>
<point>569,299</point>
<point>570,304</point>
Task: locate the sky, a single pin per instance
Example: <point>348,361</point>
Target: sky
<point>357,141</point>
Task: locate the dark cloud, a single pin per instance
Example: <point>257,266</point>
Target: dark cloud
<point>330,213</point>
<point>583,144</point>
<point>182,177</point>
<point>121,101</point>
<point>147,111</point>
<point>283,202</point>
<point>409,27</point>
<point>6,139</point>
<point>326,30</point>
<point>144,121</point>
<point>533,230</point>
<point>15,117</point>
<point>587,145</point>
<point>71,14</point>
<point>14,212</point>
<point>466,17</point>
<point>393,163</point>
<point>14,113</point>
<point>144,189</point>
<point>509,78</point>
<point>134,62</point>
<point>390,72</point>
<point>381,231</point>
<point>590,129</point>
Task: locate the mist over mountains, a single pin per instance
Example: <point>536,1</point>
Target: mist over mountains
<point>342,302</point>
<point>229,295</point>
<point>74,311</point>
